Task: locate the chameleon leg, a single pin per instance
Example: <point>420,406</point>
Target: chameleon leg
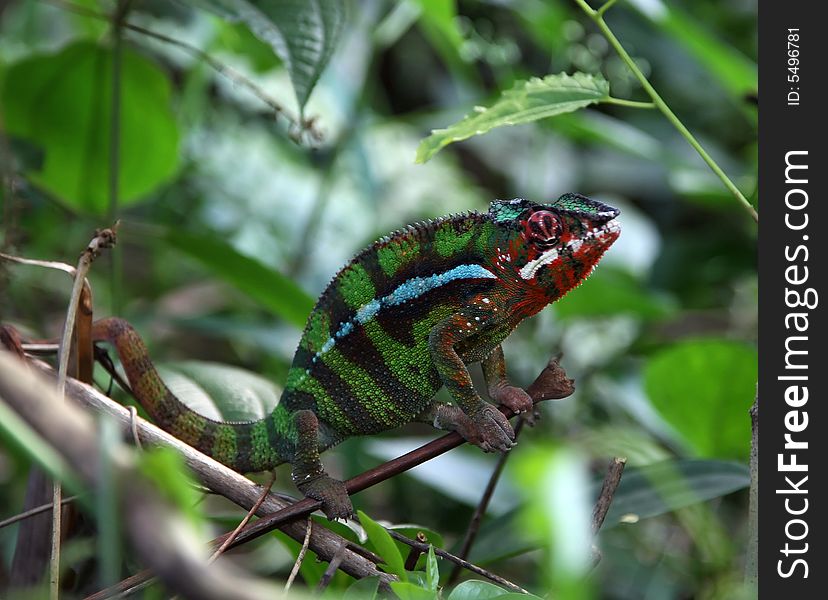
<point>501,391</point>
<point>309,475</point>
<point>448,417</point>
<point>486,427</point>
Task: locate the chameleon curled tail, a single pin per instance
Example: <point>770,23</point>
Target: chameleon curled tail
<point>243,446</point>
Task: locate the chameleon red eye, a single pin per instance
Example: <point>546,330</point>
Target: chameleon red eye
<point>544,227</point>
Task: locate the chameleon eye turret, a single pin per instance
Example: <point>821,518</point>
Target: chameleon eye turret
<point>544,227</point>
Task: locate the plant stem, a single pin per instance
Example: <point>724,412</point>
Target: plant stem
<point>598,17</point>
<point>629,103</point>
<point>605,7</point>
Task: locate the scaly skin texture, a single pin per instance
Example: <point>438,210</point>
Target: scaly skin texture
<point>402,319</point>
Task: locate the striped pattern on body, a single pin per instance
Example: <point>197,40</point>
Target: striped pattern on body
<point>364,363</point>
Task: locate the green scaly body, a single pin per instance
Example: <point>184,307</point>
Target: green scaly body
<point>397,323</point>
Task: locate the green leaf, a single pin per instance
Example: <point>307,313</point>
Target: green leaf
<point>669,485</point>
<point>17,435</point>
<point>432,569</point>
<point>527,101</point>
<point>220,392</point>
<point>438,21</point>
<point>303,33</point>
<point>441,15</point>
<point>265,285</point>
<point>611,291</point>
<point>62,103</point>
<point>166,468</point>
<point>384,545</point>
<point>362,589</point>
<point>474,589</point>
<point>409,591</point>
<point>704,388</point>
<point>644,492</point>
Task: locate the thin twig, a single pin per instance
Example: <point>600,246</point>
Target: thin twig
<point>423,547</point>
<point>611,481</point>
<point>597,17</point>
<point>33,512</point>
<point>244,521</point>
<point>103,239</point>
<point>133,426</point>
<point>49,264</point>
<point>295,126</point>
<point>480,510</point>
<point>329,573</point>
<point>301,557</point>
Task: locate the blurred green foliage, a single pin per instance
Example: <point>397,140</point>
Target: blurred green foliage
<point>234,217</point>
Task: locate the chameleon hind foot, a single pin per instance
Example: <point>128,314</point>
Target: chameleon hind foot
<point>332,493</point>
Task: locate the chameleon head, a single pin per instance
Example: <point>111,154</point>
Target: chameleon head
<point>556,246</point>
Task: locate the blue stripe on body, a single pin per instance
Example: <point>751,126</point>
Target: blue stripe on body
<point>406,291</point>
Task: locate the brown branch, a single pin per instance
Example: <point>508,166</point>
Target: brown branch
<point>552,383</point>
<point>611,481</point>
<point>62,427</point>
<point>415,553</point>
<point>228,483</point>
<point>247,517</point>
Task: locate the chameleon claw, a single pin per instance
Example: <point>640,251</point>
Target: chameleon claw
<point>332,493</point>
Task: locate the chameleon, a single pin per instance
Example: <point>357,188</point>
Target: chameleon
<point>404,318</point>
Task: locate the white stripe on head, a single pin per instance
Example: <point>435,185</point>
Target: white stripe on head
<point>529,270</point>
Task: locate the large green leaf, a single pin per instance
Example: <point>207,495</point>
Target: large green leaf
<point>525,102</point>
<point>410,591</point>
<point>303,33</point>
<point>644,492</point>
<point>220,392</point>
<point>362,589</point>
<point>704,389</point>
<point>265,285</point>
<point>669,485</point>
<point>384,545</point>
<point>62,103</point>
<point>611,291</point>
<point>474,589</point>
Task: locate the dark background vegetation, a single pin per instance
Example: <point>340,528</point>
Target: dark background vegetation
<point>661,340</point>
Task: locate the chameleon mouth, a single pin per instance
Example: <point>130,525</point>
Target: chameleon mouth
<point>604,235</point>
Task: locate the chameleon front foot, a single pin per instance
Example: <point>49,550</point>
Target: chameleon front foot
<point>332,493</point>
<point>518,401</point>
<point>489,429</point>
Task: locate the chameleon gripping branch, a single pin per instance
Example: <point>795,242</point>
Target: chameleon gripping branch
<point>551,384</point>
<point>403,319</point>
